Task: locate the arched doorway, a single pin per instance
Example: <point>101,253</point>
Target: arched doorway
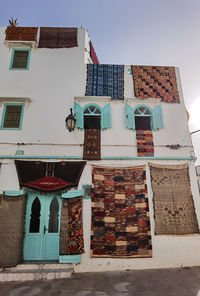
<point>42,227</point>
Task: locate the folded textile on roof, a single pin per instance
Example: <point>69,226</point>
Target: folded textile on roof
<point>21,33</point>
<point>173,203</point>
<point>120,213</point>
<point>58,37</point>
<point>155,82</point>
<point>105,80</point>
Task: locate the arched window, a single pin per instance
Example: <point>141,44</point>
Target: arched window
<point>35,216</point>
<point>53,216</point>
<point>92,117</point>
<point>143,118</point>
<point>93,110</point>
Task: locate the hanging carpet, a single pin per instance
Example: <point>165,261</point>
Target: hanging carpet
<point>173,203</point>
<point>120,213</point>
<point>21,34</point>
<point>105,80</point>
<point>71,227</point>
<point>12,217</point>
<point>93,54</point>
<point>155,82</point>
<point>145,145</point>
<point>58,37</point>
<point>49,176</point>
<point>92,144</point>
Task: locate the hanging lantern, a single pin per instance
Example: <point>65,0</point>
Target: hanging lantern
<point>70,121</point>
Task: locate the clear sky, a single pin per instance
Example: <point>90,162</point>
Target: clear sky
<point>145,32</point>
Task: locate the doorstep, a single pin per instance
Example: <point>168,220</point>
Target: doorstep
<point>39,271</point>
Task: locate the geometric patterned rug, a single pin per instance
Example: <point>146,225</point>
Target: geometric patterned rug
<point>120,213</point>
<point>71,227</point>
<point>92,144</point>
<point>105,80</point>
<point>155,82</point>
<point>173,203</point>
<point>145,145</point>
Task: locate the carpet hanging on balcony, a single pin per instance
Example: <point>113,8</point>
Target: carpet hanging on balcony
<point>155,82</point>
<point>173,203</point>
<point>71,227</point>
<point>145,145</point>
<point>92,144</point>
<point>12,217</point>
<point>105,80</point>
<point>120,213</point>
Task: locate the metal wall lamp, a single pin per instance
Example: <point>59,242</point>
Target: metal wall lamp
<point>70,121</point>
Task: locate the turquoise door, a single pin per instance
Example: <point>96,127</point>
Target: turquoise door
<point>42,227</point>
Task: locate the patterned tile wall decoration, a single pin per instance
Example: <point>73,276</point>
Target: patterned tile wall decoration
<point>105,80</point>
<point>155,82</point>
<point>21,34</point>
<point>145,145</point>
<point>120,213</point>
<point>173,203</point>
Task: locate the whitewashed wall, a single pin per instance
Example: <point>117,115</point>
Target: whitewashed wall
<point>55,79</point>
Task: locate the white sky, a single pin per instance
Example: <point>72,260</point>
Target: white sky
<point>145,32</point>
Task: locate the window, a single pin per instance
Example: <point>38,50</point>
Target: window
<point>143,117</point>
<point>20,59</point>
<point>84,116</point>
<point>12,116</point>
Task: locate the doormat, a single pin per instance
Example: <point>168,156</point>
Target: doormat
<point>105,80</point>
<point>71,227</point>
<point>173,203</point>
<point>155,82</point>
<point>120,213</point>
<point>92,144</point>
<point>145,145</point>
<point>12,217</point>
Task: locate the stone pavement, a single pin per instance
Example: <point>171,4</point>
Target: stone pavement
<point>157,282</point>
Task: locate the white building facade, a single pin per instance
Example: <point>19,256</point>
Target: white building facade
<point>42,75</point>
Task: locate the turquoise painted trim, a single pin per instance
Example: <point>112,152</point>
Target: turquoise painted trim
<point>88,196</point>
<point>103,158</point>
<point>72,193</point>
<point>4,115</point>
<point>148,158</point>
<point>38,157</point>
<point>12,58</point>
<point>70,259</point>
<point>19,152</point>
<point>14,192</point>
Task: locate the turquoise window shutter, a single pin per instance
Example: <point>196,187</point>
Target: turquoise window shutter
<point>106,117</point>
<point>157,118</point>
<point>130,120</point>
<point>78,111</point>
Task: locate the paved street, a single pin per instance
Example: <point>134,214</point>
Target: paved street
<point>165,282</point>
